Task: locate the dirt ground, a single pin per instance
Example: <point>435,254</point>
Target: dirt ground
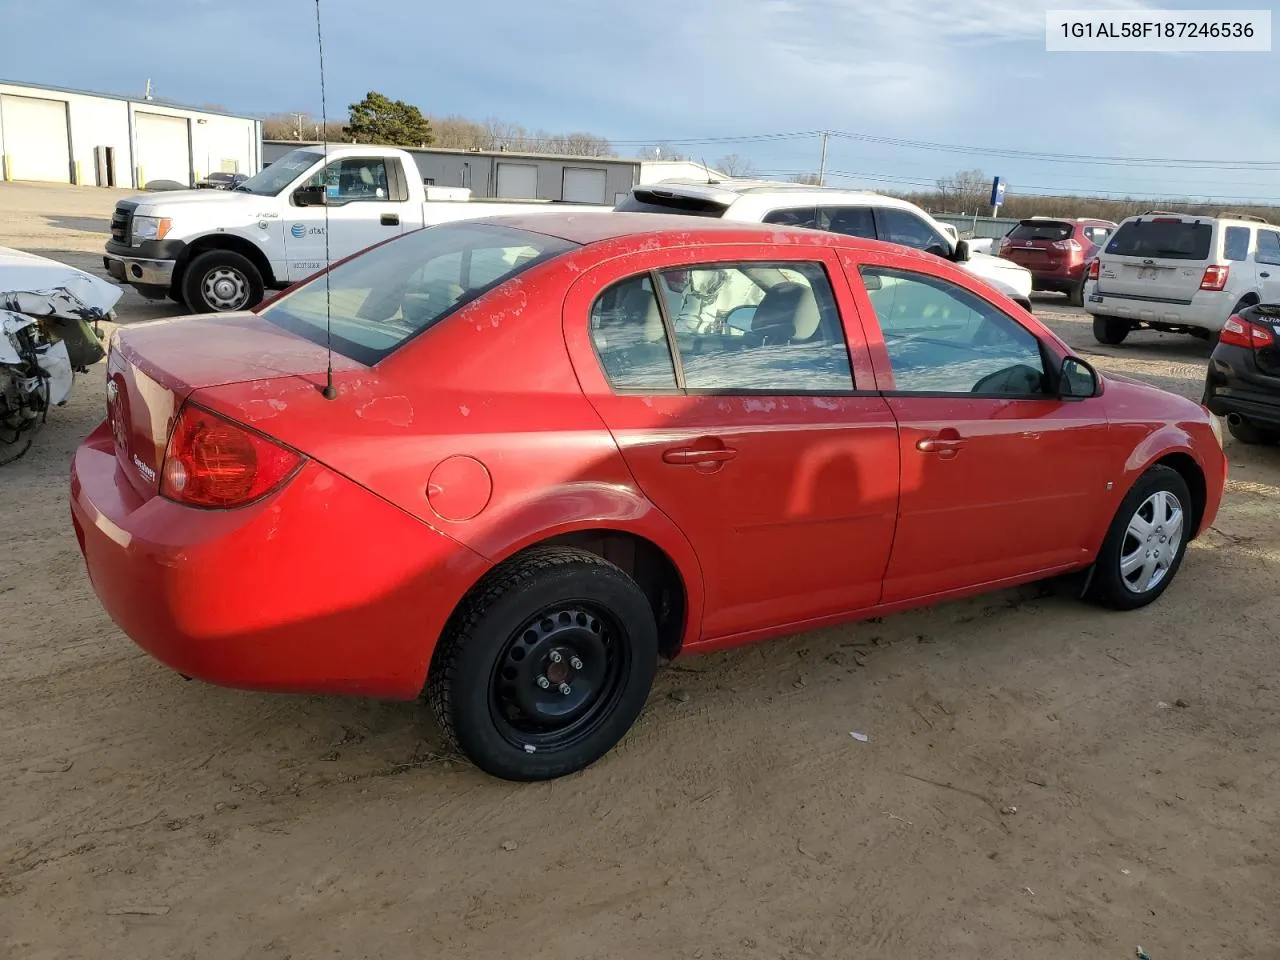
<point>142,816</point>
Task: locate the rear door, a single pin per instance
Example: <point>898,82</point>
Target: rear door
<point>1001,479</point>
<point>761,435</point>
<point>1267,261</point>
<point>1157,258</point>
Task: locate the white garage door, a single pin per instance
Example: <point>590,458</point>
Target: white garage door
<point>163,149</point>
<point>518,181</point>
<point>35,139</point>
<point>583,185</point>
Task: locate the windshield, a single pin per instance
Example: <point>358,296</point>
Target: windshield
<point>1167,239</point>
<point>280,174</point>
<point>384,297</point>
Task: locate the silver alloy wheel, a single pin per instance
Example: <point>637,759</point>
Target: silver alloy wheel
<point>1151,542</point>
<point>225,288</point>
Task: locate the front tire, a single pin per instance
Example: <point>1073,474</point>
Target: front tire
<point>220,281</point>
<point>1110,330</point>
<point>545,667</point>
<point>1145,544</point>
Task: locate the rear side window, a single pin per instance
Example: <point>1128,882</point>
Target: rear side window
<point>1050,230</point>
<point>662,201</point>
<point>739,328</point>
<point>1235,243</point>
<point>1097,235</point>
<point>850,221</point>
<point>1162,239</point>
<point>1268,247</point>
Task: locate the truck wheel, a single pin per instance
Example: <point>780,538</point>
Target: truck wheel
<point>546,666</point>
<point>219,281</point>
<point>1110,330</point>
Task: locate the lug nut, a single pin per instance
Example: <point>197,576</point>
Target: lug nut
<point>565,689</point>
<point>575,663</point>
<point>555,656</point>
<point>543,682</point>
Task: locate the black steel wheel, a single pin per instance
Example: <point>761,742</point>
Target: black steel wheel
<point>546,666</point>
<point>1110,330</point>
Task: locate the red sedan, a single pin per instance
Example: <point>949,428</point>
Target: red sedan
<point>561,447</point>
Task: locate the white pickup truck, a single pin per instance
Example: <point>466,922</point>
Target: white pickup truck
<point>221,250</point>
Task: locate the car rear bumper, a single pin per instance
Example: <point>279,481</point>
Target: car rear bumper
<point>1233,386</point>
<point>321,587</point>
<point>1206,311</point>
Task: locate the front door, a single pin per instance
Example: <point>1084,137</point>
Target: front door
<point>367,203</point>
<point>1000,478</point>
<point>755,436</point>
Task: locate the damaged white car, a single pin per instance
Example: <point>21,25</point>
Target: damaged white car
<point>48,333</point>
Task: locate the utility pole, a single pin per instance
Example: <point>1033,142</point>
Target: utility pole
<point>822,164</point>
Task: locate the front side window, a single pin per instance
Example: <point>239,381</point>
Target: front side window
<point>904,227</point>
<point>738,328</point>
<point>382,298</point>
<point>353,178</point>
<point>943,339</point>
<point>1235,243</point>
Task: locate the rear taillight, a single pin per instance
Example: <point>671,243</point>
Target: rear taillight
<point>1215,277</point>
<point>1239,332</point>
<point>1004,242</point>
<point>1072,244</point>
<point>1093,269</point>
<point>213,462</point>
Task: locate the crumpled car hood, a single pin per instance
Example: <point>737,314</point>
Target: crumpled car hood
<point>40,287</point>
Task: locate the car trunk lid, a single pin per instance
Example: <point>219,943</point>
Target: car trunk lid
<point>153,368</point>
<point>1159,258</point>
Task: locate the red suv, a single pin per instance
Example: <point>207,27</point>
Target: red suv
<point>1056,251</point>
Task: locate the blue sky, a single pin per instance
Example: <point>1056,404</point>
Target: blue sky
<point>965,73</point>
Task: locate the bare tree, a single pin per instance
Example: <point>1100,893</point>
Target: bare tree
<point>812,179</point>
<point>736,166</point>
<point>964,192</point>
<point>661,151</point>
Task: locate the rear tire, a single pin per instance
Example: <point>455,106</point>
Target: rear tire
<point>219,281</point>
<point>1251,433</point>
<point>1110,330</point>
<point>1075,294</point>
<point>1145,544</point>
<point>499,692</point>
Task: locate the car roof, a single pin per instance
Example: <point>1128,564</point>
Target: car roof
<point>588,228</point>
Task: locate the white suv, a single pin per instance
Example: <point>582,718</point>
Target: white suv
<point>851,212</point>
<point>1181,273</point>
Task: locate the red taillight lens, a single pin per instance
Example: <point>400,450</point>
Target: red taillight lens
<point>1005,241</point>
<point>1093,269</point>
<point>213,462</point>
<point>1072,245</point>
<point>1215,277</point>
<point>1239,332</point>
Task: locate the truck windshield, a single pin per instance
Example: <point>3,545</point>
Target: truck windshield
<point>387,295</point>
<point>280,174</point>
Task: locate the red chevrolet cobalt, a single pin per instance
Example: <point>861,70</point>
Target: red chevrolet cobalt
<point>560,448</point>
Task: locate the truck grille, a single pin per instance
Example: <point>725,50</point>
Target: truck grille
<point>121,224</point>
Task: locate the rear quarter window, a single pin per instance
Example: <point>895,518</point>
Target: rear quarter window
<point>1162,240</point>
<point>1235,243</point>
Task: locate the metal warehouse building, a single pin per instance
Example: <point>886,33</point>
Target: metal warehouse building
<point>93,139</point>
<point>507,175</point>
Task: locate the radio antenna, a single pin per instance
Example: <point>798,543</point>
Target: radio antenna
<point>329,392</point>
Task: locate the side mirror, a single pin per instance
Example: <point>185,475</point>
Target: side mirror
<point>962,252</point>
<point>311,197</point>
<point>1077,380</point>
<point>938,250</point>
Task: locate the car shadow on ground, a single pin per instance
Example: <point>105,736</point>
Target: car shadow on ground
<point>98,225</point>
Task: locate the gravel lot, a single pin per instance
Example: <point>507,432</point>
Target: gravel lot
<point>145,817</point>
